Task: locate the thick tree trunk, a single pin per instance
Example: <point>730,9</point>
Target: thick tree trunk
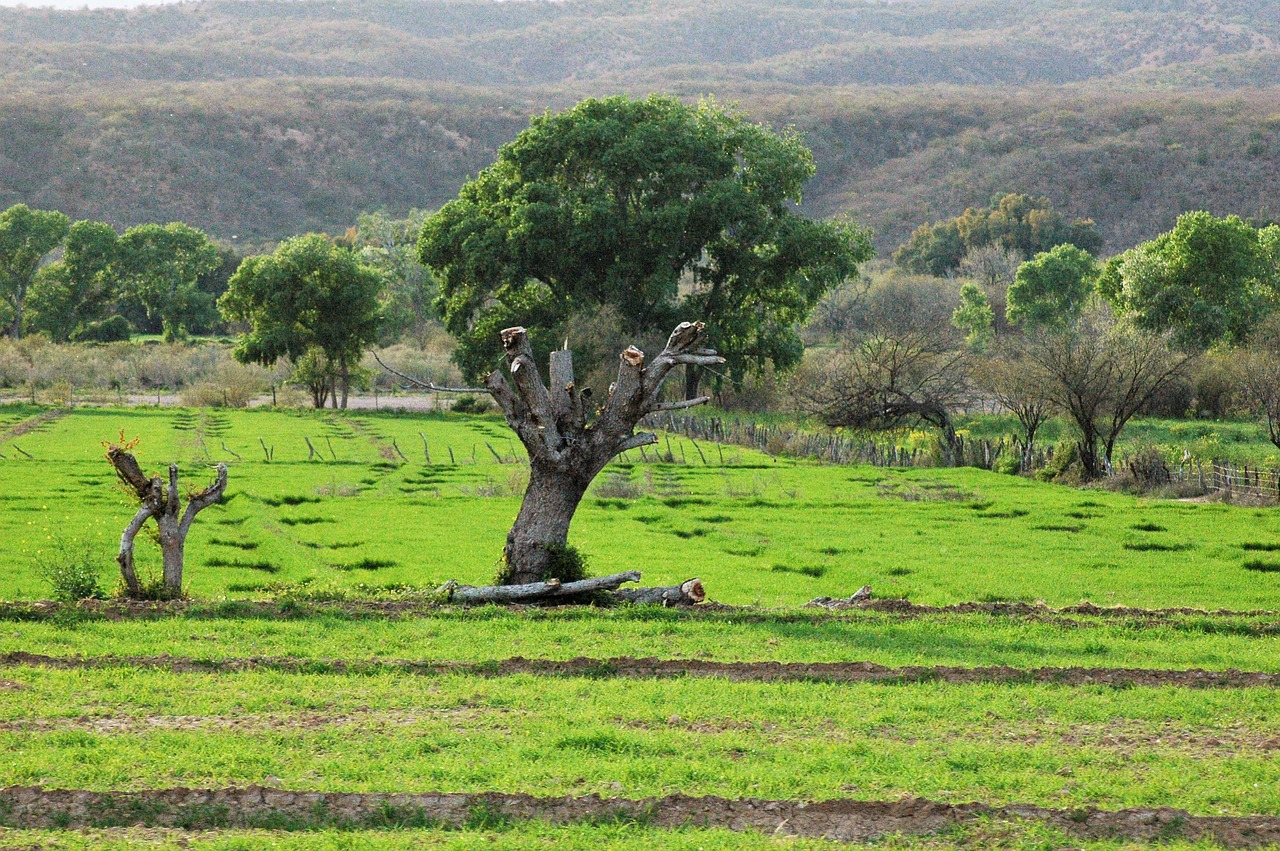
<point>172,546</point>
<point>541,530</point>
<point>692,380</point>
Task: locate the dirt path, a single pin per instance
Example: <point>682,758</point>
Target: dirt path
<point>845,820</point>
<point>652,668</point>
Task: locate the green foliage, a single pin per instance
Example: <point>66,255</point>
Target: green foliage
<point>612,204</point>
<point>159,267</point>
<point>26,236</point>
<point>113,330</point>
<point>1051,289</point>
<point>974,317</point>
<point>71,570</point>
<point>390,245</point>
<point>1015,222</point>
<point>311,301</point>
<point>1208,280</point>
<point>77,290</point>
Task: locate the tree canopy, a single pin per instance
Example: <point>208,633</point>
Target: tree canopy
<point>1208,280</point>
<point>1014,222</point>
<point>651,208</point>
<point>26,236</point>
<point>160,266</point>
<point>1051,289</point>
<point>308,297</point>
<point>75,291</point>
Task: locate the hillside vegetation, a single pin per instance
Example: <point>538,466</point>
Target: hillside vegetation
<point>262,119</point>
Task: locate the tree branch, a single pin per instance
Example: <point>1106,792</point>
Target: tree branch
<point>529,386</point>
<point>427,385</point>
<point>207,497</point>
<point>125,556</point>
<point>535,590</point>
<point>677,406</point>
<point>635,441</point>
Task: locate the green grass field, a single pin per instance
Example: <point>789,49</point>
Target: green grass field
<point>757,530</point>
<point>371,517</point>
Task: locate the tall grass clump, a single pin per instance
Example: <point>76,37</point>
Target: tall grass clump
<point>71,571</point>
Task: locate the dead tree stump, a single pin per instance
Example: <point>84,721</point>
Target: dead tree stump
<point>161,502</point>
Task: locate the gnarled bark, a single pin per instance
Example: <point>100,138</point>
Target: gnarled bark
<point>161,502</point>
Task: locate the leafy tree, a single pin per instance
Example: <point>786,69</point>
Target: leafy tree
<point>1014,222</point>
<point>654,208</point>
<point>80,288</point>
<point>159,267</point>
<point>1208,280</point>
<point>974,317</point>
<point>311,301</point>
<point>26,236</point>
<point>1051,289</point>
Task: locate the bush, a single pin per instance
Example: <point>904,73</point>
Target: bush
<point>1061,466</point>
<point>71,571</point>
<point>114,330</point>
<point>472,404</point>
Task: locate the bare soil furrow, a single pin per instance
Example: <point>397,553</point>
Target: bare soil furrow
<point>845,820</point>
<point>1265,621</point>
<point>653,668</point>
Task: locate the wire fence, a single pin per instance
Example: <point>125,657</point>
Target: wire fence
<point>1218,477</point>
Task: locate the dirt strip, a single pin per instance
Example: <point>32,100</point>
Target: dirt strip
<point>653,668</point>
<point>846,820</point>
<point>821,609</point>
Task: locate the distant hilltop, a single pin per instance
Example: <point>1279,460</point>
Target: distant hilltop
<point>263,119</point>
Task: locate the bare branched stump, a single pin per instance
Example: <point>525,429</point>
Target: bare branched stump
<point>159,501</point>
<point>565,451</point>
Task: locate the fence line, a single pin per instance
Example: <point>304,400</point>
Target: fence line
<point>1217,476</point>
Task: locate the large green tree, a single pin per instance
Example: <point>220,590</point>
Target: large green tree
<point>159,267</point>
<point>1052,289</point>
<point>310,297</point>
<point>1208,280</point>
<point>26,237</point>
<point>77,290</point>
<point>652,209</point>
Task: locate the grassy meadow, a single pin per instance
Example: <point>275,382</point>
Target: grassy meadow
<point>304,691</point>
<point>369,510</point>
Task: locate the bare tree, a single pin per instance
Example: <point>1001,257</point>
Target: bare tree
<point>889,380</point>
<point>1258,368</point>
<point>160,502</point>
<point>566,451</point>
<point>1101,373</point>
<point>1018,384</point>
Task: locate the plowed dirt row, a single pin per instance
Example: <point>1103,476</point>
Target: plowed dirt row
<point>846,820</point>
<point>126,609</point>
<point>652,668</point>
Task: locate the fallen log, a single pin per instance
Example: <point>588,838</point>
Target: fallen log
<point>687,593</point>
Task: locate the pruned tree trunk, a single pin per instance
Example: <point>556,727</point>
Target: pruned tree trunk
<point>160,502</point>
<point>566,452</point>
